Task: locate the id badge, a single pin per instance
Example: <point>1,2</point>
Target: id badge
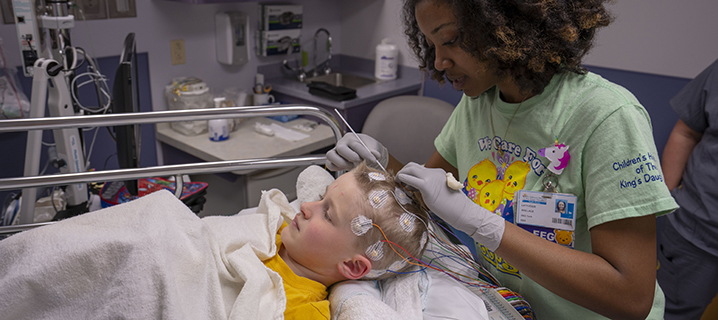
<point>548,215</point>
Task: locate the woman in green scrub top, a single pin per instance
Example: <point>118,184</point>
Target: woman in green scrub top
<point>533,122</point>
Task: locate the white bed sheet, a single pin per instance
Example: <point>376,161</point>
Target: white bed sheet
<point>149,258</point>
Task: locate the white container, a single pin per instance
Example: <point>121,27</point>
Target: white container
<point>188,93</point>
<point>218,128</point>
<point>234,98</point>
<point>386,62</point>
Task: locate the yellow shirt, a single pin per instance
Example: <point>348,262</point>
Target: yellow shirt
<point>306,298</point>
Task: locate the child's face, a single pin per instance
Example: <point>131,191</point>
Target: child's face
<point>320,235</point>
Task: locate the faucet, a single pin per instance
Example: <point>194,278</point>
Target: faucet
<point>326,69</point>
<point>301,74</point>
<point>299,69</point>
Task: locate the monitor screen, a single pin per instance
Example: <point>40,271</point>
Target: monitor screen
<point>125,99</point>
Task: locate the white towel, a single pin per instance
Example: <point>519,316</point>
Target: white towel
<point>113,263</point>
<point>406,293</point>
<point>247,240</point>
<point>148,258</point>
<point>312,183</point>
<point>359,300</point>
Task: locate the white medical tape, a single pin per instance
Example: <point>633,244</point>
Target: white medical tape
<point>377,198</point>
<point>373,274</point>
<point>397,265</point>
<point>375,251</point>
<point>406,220</point>
<point>401,197</point>
<point>424,237</point>
<point>376,176</point>
<point>361,224</point>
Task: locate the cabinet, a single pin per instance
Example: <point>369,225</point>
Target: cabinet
<point>228,194</point>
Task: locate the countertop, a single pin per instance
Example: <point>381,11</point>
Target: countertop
<point>245,143</point>
<point>408,82</point>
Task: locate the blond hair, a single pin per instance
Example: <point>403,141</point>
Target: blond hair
<point>403,224</point>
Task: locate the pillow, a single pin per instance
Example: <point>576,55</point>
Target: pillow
<point>312,182</point>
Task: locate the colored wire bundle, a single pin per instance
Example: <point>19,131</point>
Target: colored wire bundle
<point>458,255</point>
<point>518,302</point>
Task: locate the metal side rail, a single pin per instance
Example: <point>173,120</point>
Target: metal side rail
<point>166,170</point>
<point>118,119</point>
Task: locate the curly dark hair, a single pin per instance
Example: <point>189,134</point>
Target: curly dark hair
<point>527,40</point>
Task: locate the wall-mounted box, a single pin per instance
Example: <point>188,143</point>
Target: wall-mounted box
<point>279,42</point>
<point>280,17</point>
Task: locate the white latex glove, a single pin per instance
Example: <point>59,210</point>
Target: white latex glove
<point>454,206</point>
<point>349,152</point>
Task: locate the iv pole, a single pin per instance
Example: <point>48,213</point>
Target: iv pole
<point>56,20</point>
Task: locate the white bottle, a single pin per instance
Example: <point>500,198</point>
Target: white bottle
<point>218,128</point>
<point>386,62</point>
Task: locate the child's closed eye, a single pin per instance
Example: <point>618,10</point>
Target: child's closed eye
<point>326,211</point>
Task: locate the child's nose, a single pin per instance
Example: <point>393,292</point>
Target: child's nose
<point>307,209</point>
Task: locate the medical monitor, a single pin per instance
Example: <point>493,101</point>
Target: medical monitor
<point>125,99</point>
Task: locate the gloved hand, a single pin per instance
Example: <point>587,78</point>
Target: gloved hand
<point>454,206</point>
<point>349,152</point>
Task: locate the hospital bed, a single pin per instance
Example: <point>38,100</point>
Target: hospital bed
<point>432,296</point>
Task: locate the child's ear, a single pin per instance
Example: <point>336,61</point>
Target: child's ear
<point>355,268</point>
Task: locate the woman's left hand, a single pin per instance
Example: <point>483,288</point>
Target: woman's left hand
<point>454,206</point>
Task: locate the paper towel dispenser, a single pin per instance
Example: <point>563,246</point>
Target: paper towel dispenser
<point>231,37</point>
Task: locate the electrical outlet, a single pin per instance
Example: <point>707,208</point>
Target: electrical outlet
<point>92,9</point>
<point>177,51</point>
<point>122,8</point>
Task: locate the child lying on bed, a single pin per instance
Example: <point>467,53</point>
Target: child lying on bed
<point>344,236</point>
<point>153,258</point>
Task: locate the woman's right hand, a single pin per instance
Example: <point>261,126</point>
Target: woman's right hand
<point>349,152</point>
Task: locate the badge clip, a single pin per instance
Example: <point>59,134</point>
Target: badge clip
<point>550,183</point>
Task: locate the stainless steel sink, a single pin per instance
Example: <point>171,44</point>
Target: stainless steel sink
<point>343,80</point>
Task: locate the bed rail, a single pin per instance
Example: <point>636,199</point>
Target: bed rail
<point>15,125</point>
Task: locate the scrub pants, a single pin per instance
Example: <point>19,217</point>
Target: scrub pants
<point>687,274</point>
